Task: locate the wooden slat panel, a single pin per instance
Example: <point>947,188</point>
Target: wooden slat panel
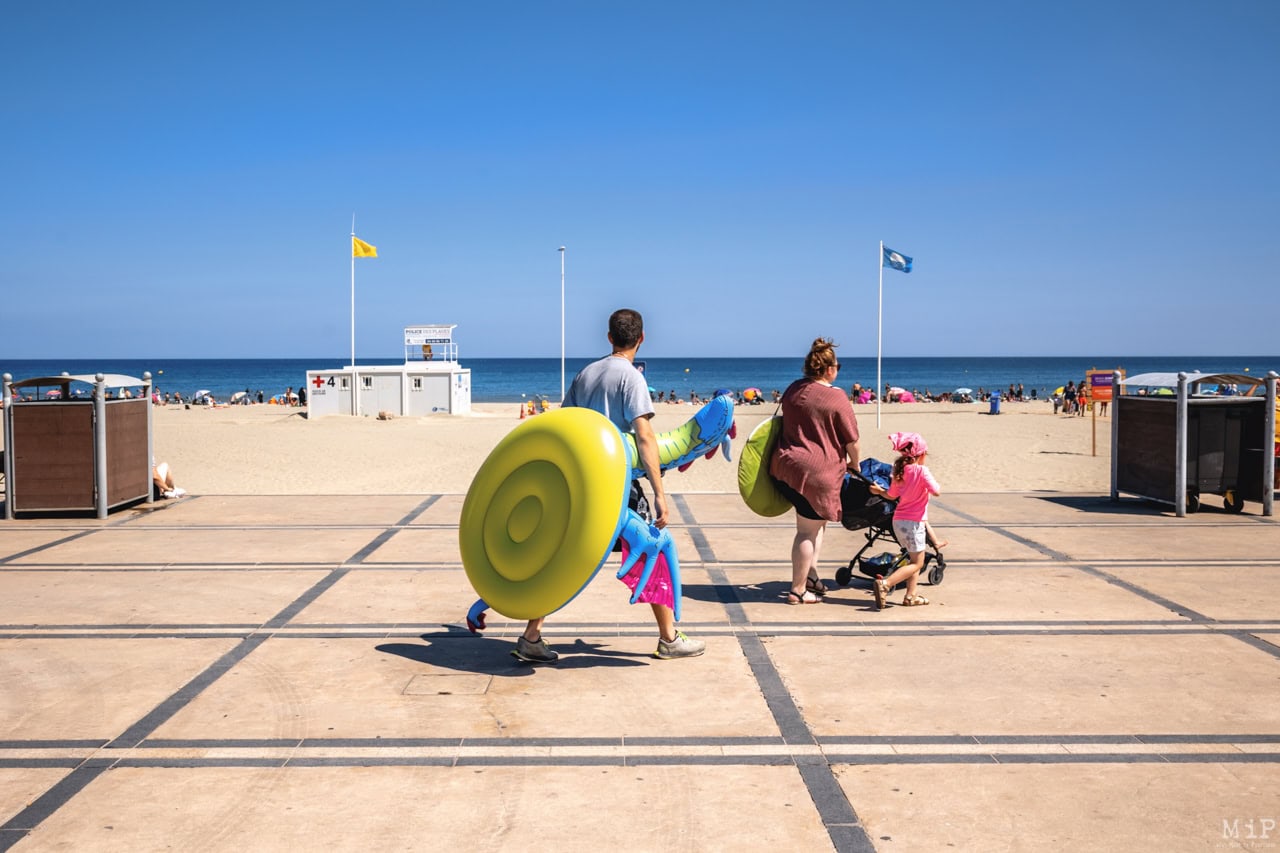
<point>52,456</point>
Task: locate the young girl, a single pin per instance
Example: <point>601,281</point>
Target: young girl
<point>911,484</point>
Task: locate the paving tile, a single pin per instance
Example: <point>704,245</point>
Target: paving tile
<point>995,808</point>
<point>1223,592</point>
<point>149,597</point>
<point>1051,684</point>
<point>18,787</point>
<point>648,808</point>
<point>446,509</point>
<point>14,540</point>
<point>291,510</point>
<point>61,689</point>
<point>977,595</point>
<point>164,546</point>
<point>1236,538</point>
<point>357,688</point>
<point>442,597</point>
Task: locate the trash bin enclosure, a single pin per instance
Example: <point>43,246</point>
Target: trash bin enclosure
<point>1224,446</point>
<point>66,453</point>
<point>1227,448</point>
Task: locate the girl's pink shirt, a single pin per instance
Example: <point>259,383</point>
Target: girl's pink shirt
<point>913,493</point>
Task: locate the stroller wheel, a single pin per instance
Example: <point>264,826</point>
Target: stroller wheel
<point>844,574</point>
<point>935,574</point>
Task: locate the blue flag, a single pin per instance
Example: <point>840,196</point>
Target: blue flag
<point>896,261</point>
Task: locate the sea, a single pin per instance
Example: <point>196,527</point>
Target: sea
<point>506,380</point>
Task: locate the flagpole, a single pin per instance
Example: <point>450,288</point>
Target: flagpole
<point>879,331</point>
<point>562,325</point>
<point>355,384</point>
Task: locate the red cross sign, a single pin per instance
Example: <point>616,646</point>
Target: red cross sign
<point>318,381</point>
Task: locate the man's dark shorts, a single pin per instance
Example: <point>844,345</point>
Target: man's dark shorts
<point>637,501</point>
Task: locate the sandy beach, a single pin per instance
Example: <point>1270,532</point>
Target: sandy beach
<point>266,450</point>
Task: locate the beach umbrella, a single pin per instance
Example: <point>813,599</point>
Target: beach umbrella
<point>1059,389</point>
<point>203,393</point>
<point>653,390</point>
<point>964,390</point>
<point>238,396</point>
<point>54,393</point>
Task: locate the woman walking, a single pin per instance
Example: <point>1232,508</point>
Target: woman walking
<point>819,442</point>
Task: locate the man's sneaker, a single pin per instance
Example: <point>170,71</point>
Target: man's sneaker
<point>680,647</point>
<point>538,652</point>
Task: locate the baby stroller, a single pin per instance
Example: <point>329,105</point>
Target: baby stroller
<point>863,510</point>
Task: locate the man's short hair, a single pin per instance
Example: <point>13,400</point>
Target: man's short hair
<point>626,326</point>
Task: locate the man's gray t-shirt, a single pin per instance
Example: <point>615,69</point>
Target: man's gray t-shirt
<point>613,387</point>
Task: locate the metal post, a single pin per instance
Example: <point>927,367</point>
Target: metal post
<point>1180,449</point>
<point>151,458</point>
<point>1268,454</point>
<point>562,325</point>
<point>100,444</point>
<point>1116,379</point>
<point>355,374</point>
<point>8,448</point>
<point>879,328</point>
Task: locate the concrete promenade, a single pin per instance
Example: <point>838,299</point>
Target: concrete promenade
<point>293,673</point>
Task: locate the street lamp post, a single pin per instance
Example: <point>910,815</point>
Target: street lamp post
<point>562,325</point>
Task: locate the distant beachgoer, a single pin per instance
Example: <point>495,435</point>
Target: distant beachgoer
<point>162,481</point>
<point>289,397</point>
<point>260,395</point>
<point>302,395</point>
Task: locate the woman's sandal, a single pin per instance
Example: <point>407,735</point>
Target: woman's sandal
<point>914,601</point>
<point>881,591</point>
<point>806,597</point>
<point>816,586</point>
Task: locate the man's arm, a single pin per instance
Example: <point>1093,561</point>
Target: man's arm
<point>647,445</point>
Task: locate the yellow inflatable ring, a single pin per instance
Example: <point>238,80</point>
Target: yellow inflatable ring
<point>543,512</point>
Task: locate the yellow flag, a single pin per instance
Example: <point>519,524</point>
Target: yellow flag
<point>361,249</point>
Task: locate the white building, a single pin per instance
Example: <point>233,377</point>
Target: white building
<point>429,382</point>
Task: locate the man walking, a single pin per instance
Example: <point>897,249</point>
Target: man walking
<point>613,387</point>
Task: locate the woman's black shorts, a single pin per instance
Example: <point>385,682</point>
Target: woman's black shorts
<point>803,509</point>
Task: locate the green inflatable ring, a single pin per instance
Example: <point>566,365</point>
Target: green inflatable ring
<point>543,512</point>
<point>754,483</point>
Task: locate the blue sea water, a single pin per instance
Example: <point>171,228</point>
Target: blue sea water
<point>501,380</point>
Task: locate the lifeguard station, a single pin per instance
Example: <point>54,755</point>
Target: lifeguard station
<point>431,381</point>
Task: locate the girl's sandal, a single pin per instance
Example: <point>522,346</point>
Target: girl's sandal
<point>914,601</point>
<point>816,586</point>
<point>805,597</point>
<point>881,591</point>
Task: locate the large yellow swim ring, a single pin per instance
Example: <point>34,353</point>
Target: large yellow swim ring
<point>543,512</point>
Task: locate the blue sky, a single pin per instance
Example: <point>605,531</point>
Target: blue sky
<point>1071,178</point>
